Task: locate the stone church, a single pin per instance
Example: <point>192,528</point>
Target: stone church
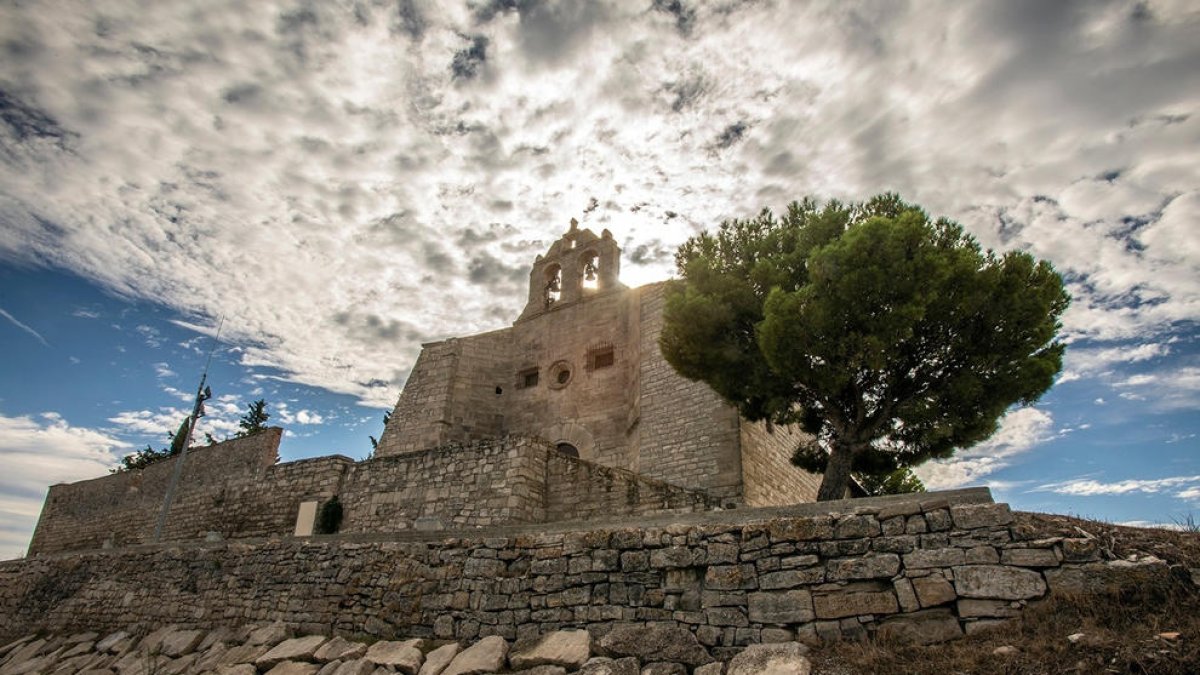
<point>581,368</point>
<point>570,414</point>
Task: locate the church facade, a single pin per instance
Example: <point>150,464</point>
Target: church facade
<point>581,368</point>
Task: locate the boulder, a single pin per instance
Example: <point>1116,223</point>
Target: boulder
<point>403,656</point>
<point>239,669</point>
<point>664,668</point>
<point>294,668</point>
<point>567,648</point>
<point>542,670</point>
<point>486,656</point>
<point>602,665</point>
<point>355,667</point>
<point>295,649</point>
<point>710,669</point>
<point>437,660</point>
<point>269,635</point>
<point>783,658</point>
<point>656,642</point>
<point>339,648</point>
<point>111,641</point>
<point>180,642</point>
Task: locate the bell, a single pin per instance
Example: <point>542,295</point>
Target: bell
<point>589,271</point>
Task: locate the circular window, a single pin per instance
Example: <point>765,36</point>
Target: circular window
<point>560,375</point>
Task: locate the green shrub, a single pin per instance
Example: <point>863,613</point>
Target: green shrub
<point>329,519</point>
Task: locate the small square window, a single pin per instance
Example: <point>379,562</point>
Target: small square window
<point>527,378</point>
<point>601,357</point>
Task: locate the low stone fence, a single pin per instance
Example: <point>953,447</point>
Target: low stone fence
<point>926,568</point>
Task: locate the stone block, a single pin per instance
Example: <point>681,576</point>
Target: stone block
<point>566,648</point>
<point>730,577</point>
<point>339,648</point>
<point>294,668</point>
<point>855,527</point>
<point>974,516</point>
<point>791,578</point>
<point>999,582</point>
<point>906,595</point>
<point>855,601</point>
<point>664,668</point>
<point>401,655</point>
<point>976,607</point>
<point>813,528</point>
<point>783,658</point>
<point>940,557</point>
<point>351,667</point>
<point>870,566</point>
<point>602,665</point>
<point>1081,550</point>
<point>981,555</point>
<point>437,660</point>
<point>725,616</point>
<point>781,607</point>
<point>938,520</point>
<point>486,656</point>
<point>663,642</point>
<point>296,649</point>
<point>1029,557</point>
<point>925,627</point>
<point>933,590</point>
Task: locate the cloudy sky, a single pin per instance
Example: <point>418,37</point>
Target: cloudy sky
<point>341,181</point>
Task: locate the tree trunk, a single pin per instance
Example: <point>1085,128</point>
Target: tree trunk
<point>837,474</point>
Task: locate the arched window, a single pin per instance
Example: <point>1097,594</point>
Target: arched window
<point>553,287</point>
<point>590,271</point>
<point>568,450</point>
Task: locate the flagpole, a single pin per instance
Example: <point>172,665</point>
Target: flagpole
<point>202,395</point>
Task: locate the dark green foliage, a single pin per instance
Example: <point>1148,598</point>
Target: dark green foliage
<point>143,458</point>
<point>255,419</point>
<point>374,442</point>
<point>329,518</point>
<point>893,339</point>
<point>899,482</point>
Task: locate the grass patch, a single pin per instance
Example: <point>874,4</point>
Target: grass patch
<point>1122,629</point>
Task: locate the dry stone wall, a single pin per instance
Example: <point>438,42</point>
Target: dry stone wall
<point>925,569</point>
<point>235,491</point>
<point>768,476</point>
<point>122,508</point>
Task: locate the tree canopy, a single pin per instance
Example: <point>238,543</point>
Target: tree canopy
<point>889,337</point>
<point>255,419</point>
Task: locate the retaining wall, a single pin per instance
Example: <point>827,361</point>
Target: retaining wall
<point>234,489</point>
<point>929,568</point>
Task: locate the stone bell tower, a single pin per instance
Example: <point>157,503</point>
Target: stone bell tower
<point>577,266</point>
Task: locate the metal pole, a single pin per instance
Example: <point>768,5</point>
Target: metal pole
<point>175,475</point>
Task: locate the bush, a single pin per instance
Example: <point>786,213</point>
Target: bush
<point>329,519</point>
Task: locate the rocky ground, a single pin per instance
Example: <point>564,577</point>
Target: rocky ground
<point>271,649</point>
<point>1147,624</point>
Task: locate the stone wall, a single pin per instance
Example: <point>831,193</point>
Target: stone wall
<point>483,483</point>
<point>768,476</point>
<point>230,489</point>
<point>122,508</point>
<point>687,435</point>
<point>926,568</point>
<point>579,490</point>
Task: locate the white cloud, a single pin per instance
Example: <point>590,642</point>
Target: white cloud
<point>340,193</point>
<point>37,453</point>
<point>1091,487</point>
<point>1020,431</point>
<point>1091,362</point>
